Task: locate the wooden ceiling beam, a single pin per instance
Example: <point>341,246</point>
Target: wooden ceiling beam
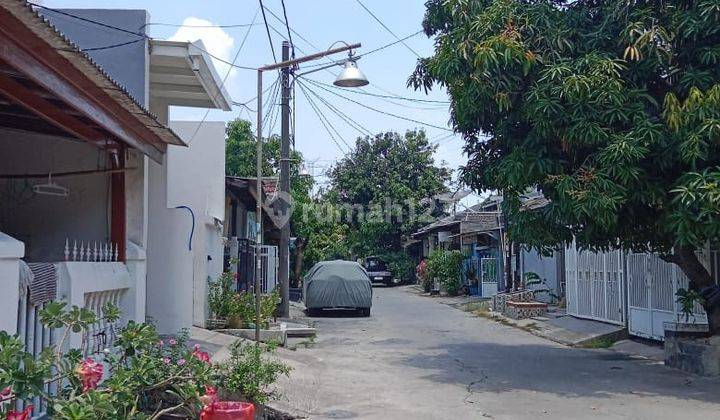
<point>49,112</point>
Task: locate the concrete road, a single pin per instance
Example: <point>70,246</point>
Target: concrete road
<point>415,358</point>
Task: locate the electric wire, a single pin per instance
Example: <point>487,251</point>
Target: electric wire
<point>287,26</point>
<point>386,28</point>
<point>352,123</point>
<point>267,29</point>
<point>107,47</point>
<point>222,84</point>
<point>312,102</point>
<point>332,137</point>
<point>400,98</point>
<point>378,110</point>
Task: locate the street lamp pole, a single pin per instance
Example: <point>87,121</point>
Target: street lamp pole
<point>259,162</point>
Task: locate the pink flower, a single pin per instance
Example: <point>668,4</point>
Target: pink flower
<point>90,373</point>
<point>6,394</point>
<point>24,415</point>
<point>203,356</point>
<point>160,343</point>
<point>210,395</point>
<point>181,362</point>
<point>196,347</point>
<point>166,360</point>
<point>172,342</point>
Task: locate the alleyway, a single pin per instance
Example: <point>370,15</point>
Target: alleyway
<point>418,359</point>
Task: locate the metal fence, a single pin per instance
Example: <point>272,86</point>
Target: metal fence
<point>246,266</point>
<point>595,284</point>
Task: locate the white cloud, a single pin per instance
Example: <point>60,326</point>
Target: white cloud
<point>218,42</point>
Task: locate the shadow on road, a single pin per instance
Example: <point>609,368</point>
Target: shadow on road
<point>334,313</point>
<point>493,367</point>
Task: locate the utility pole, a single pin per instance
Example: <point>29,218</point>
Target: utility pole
<point>284,251</point>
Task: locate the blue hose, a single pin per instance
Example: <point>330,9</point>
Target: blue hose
<point>192,230</point>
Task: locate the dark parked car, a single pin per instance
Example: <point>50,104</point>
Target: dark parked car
<point>378,271</point>
<point>337,285</point>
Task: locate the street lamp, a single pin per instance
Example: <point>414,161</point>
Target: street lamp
<point>351,76</point>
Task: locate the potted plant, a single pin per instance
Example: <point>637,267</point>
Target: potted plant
<point>220,301</point>
<point>686,326</point>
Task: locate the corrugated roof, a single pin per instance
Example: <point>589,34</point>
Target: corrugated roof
<point>34,21</point>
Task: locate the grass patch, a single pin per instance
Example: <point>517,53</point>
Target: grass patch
<point>599,343</point>
<point>530,327</point>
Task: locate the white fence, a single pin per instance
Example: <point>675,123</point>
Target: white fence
<point>652,287</point>
<point>637,290</point>
<point>269,268</point>
<point>595,285</point>
<point>35,337</point>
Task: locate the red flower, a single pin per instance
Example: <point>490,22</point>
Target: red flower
<point>23,415</point>
<point>210,395</point>
<point>90,373</point>
<point>6,394</point>
<point>203,356</point>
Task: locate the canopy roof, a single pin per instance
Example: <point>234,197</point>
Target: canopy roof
<point>48,85</point>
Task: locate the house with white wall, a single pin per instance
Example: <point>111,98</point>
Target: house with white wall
<point>93,182</point>
<point>75,145</point>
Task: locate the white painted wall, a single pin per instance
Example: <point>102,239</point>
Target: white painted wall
<point>11,250</point>
<point>43,222</point>
<point>545,267</point>
<point>194,177</point>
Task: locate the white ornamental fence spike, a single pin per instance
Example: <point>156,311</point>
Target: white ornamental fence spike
<point>66,252</point>
<point>103,251</point>
<point>82,251</point>
<point>96,252</point>
<point>115,254</point>
<point>74,250</point>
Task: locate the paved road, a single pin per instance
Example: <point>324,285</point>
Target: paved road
<point>416,358</point>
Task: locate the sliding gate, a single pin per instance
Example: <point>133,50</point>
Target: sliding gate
<point>594,285</point>
<point>652,287</point>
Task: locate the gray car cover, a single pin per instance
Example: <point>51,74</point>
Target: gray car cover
<point>337,284</point>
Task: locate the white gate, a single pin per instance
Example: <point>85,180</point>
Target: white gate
<point>594,285</point>
<point>652,287</point>
<point>489,275</point>
<point>269,268</point>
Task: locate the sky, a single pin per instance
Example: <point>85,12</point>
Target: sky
<point>318,24</point>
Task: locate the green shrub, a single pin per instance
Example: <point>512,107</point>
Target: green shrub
<point>400,265</point>
<point>446,267</point>
<point>220,296</point>
<point>243,306</point>
<point>249,373</point>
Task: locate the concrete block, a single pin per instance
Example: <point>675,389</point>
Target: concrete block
<point>277,336</point>
<point>700,356</point>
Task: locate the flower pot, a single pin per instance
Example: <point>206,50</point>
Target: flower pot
<point>216,323</point>
<point>235,322</point>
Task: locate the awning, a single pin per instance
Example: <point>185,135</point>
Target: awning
<point>182,74</point>
<point>44,77</point>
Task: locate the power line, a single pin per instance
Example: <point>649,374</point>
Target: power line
<point>386,28</point>
<point>400,98</point>
<point>222,84</point>
<point>107,47</point>
<point>287,25</point>
<point>182,25</point>
<point>332,137</point>
<point>378,110</point>
<point>312,102</point>
<point>267,29</point>
<point>94,22</point>
<point>352,123</point>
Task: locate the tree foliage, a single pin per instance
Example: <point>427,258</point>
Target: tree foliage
<point>610,108</point>
<point>392,180</point>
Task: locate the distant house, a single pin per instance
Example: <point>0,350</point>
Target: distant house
<point>479,233</point>
<point>241,230</point>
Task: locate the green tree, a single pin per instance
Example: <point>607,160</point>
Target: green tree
<point>610,108</point>
<point>382,188</point>
<point>240,160</point>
